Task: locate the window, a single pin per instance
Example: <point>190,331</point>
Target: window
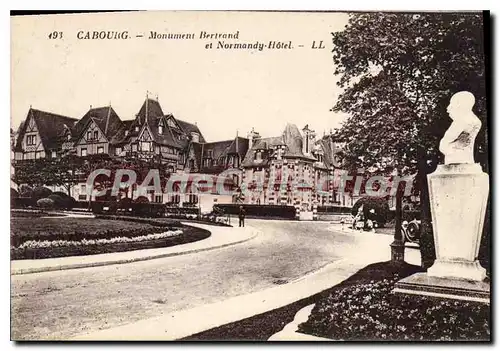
<point>160,129</point>
<point>31,139</point>
<point>96,134</point>
<point>209,153</point>
<point>126,132</point>
<point>258,156</point>
<point>157,149</point>
<point>146,146</point>
<point>193,198</point>
<point>84,188</point>
<point>136,128</point>
<point>89,135</point>
<point>181,157</point>
<point>118,151</point>
<point>195,137</point>
<point>191,164</point>
<point>54,154</point>
<point>159,198</point>
<point>176,199</point>
<point>83,151</point>
<point>100,149</point>
<point>134,147</point>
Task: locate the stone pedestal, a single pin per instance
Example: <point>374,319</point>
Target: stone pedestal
<point>458,196</point>
<point>458,289</point>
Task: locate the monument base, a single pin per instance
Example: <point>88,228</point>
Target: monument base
<point>458,289</point>
<point>457,269</point>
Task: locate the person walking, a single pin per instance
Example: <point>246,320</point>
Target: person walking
<point>241,216</point>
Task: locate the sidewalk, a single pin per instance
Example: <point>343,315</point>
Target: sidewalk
<point>221,237</point>
<point>368,249</point>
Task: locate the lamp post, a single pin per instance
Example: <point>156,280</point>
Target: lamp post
<point>398,246</point>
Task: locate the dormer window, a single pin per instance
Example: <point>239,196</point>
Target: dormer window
<point>258,155</point>
<point>136,128</point>
<point>126,132</point>
<point>160,127</point>
<point>68,137</point>
<point>195,137</point>
<point>209,153</point>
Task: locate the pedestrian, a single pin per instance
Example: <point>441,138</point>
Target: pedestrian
<point>241,216</point>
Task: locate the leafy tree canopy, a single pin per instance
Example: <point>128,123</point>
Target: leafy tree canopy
<point>398,72</point>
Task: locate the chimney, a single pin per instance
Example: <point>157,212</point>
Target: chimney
<point>308,139</point>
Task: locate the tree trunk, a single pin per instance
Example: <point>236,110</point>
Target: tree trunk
<point>399,214</point>
<point>427,248</point>
<point>398,246</point>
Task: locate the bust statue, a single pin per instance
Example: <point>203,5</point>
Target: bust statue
<point>457,144</point>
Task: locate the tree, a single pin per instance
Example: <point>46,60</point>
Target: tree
<point>398,72</point>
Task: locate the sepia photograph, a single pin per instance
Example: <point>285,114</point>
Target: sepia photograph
<point>250,176</point>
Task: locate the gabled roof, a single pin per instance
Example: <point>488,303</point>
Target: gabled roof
<point>51,128</point>
<point>151,114</point>
<point>291,138</point>
<point>189,128</point>
<point>120,137</point>
<point>330,148</point>
<point>106,119</point>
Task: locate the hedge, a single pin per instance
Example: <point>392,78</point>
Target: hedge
<point>258,210</point>
<point>132,208</point>
<point>334,209</point>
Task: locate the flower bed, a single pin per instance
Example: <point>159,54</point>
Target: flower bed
<point>340,321</point>
<point>77,229</point>
<point>58,237</point>
<point>364,308</point>
<point>37,244</point>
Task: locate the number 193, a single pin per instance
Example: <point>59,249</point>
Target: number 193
<point>56,35</point>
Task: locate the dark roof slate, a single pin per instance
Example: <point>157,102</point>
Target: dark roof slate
<point>51,128</point>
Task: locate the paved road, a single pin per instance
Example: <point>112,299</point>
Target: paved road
<point>55,305</point>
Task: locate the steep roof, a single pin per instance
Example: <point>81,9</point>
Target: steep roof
<point>291,138</point>
<point>151,114</point>
<point>331,149</point>
<point>51,128</point>
<point>106,119</point>
<point>190,128</point>
<point>120,137</point>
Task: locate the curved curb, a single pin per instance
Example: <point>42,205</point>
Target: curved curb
<point>290,331</point>
<point>130,260</point>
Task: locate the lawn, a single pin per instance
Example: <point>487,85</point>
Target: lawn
<point>34,238</point>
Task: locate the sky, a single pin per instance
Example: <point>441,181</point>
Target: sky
<point>223,91</point>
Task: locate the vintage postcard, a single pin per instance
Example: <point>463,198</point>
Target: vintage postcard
<point>265,176</point>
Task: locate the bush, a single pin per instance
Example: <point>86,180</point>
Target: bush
<point>45,203</point>
<point>59,202</point>
<point>379,205</point>
<point>67,201</point>
<point>141,200</point>
<point>14,195</point>
<point>40,192</point>
<point>25,191</point>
